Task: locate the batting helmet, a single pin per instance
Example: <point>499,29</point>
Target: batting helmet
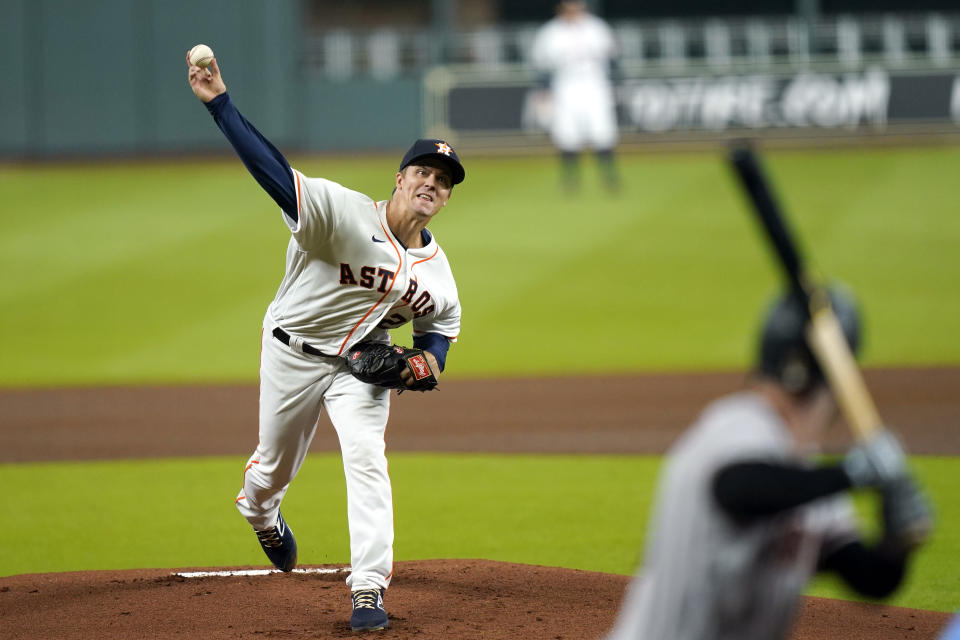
<point>784,354</point>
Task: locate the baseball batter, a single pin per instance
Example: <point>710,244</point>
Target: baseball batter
<point>575,52</point>
<point>355,267</point>
<point>743,517</point>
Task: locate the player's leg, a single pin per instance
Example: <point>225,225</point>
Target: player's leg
<point>566,135</point>
<point>291,393</point>
<point>602,127</point>
<point>609,173</point>
<point>570,169</point>
<point>359,413</point>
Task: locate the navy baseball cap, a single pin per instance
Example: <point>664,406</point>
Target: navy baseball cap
<point>434,148</point>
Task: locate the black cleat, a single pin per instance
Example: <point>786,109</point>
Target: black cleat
<point>368,611</point>
<point>279,545</point>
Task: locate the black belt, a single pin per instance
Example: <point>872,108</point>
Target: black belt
<point>284,337</point>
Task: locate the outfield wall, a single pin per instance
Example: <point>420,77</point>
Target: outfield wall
<point>510,108</point>
<point>109,77</point>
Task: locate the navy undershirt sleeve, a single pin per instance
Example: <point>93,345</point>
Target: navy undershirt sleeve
<point>748,490</point>
<point>264,162</point>
<point>436,344</point>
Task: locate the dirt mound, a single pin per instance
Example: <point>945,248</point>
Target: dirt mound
<point>462,599</point>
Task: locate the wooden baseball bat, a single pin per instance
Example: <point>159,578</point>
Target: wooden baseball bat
<point>824,333</point>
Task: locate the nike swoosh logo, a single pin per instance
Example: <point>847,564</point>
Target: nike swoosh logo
<point>376,239</point>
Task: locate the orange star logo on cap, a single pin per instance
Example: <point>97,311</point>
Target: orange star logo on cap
<point>444,148</point>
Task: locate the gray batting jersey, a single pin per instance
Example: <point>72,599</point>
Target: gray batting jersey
<point>706,577</point>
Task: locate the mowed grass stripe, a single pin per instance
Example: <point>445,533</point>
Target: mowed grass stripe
<point>160,272</point>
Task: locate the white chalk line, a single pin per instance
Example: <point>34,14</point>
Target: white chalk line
<point>253,572</point>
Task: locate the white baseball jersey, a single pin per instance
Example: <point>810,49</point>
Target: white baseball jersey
<point>348,277</point>
<point>577,54</point>
<point>706,577</point>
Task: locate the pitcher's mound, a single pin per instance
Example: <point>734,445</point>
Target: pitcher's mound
<point>433,599</point>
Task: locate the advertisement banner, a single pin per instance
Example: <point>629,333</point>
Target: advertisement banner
<point>871,99</point>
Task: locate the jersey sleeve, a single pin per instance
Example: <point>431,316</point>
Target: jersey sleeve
<point>319,202</point>
<point>749,439</point>
<point>445,322</point>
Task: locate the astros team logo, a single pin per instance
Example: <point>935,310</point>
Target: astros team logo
<point>444,148</point>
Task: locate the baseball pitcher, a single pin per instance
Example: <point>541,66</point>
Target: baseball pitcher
<point>355,268</point>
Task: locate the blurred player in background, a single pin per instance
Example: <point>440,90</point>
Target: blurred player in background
<point>743,517</point>
<point>575,54</point>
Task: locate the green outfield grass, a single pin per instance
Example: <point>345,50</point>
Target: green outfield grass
<point>583,512</point>
<point>160,272</point>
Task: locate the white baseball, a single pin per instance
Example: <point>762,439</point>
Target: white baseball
<point>201,55</point>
